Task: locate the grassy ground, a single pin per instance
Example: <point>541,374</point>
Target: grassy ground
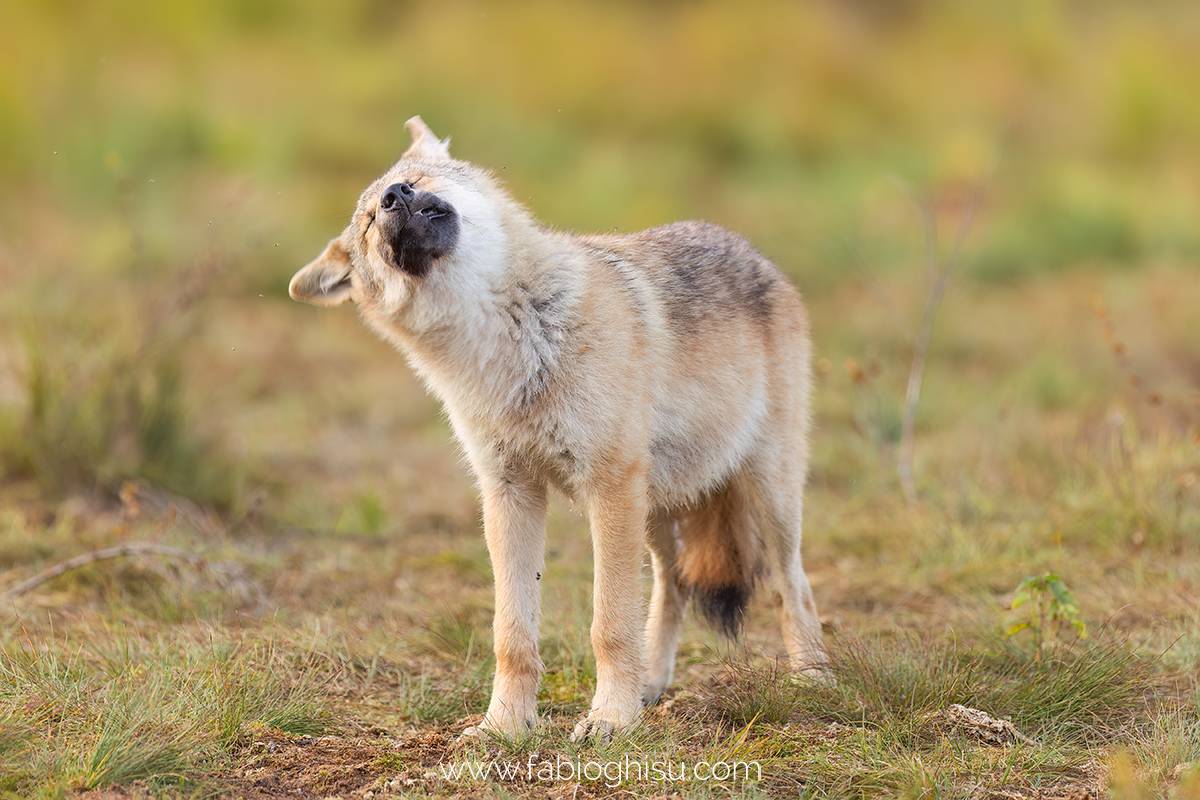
<point>281,588</point>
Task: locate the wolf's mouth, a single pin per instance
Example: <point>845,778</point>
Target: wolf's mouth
<point>416,228</point>
<point>433,212</point>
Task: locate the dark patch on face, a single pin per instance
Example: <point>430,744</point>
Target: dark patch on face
<point>416,228</point>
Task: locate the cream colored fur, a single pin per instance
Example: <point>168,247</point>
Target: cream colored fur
<point>611,368</point>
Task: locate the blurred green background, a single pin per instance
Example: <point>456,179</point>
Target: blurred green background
<point>785,120</point>
<point>167,166</point>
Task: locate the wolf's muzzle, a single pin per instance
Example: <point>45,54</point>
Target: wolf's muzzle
<point>416,227</point>
<point>395,195</point>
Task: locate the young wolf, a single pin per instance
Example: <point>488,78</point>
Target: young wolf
<point>660,377</point>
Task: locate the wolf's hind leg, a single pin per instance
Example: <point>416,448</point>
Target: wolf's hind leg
<point>668,605</point>
<point>778,509</point>
<point>797,614</point>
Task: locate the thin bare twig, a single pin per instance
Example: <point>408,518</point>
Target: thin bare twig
<point>131,549</point>
<point>940,273</point>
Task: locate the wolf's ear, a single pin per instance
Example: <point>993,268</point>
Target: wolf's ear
<point>327,280</point>
<point>424,144</point>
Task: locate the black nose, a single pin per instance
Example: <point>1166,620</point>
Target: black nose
<point>395,195</point>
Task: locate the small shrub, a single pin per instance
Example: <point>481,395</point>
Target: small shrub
<point>104,405</point>
<point>1049,608</point>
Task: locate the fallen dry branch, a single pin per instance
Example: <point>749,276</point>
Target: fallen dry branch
<point>980,725</point>
<point>131,549</point>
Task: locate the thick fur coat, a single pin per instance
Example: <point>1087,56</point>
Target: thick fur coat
<point>661,378</point>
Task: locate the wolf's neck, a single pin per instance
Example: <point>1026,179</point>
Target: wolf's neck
<point>492,344</point>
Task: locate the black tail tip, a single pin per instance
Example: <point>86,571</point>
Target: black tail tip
<point>724,607</point>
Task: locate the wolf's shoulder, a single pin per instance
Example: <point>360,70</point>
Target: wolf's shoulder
<point>676,238</point>
<point>697,268</point>
<point>690,252</point>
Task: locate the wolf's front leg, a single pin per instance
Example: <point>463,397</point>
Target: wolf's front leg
<point>514,523</point>
<point>617,513</point>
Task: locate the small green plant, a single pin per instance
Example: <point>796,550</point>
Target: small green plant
<point>365,515</point>
<point>1049,606</point>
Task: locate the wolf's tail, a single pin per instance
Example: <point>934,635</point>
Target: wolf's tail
<point>719,560</point>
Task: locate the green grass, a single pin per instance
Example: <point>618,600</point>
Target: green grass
<point>881,727</point>
<point>104,403</point>
<point>166,168</point>
<point>137,706</point>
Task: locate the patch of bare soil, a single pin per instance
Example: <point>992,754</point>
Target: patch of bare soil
<point>277,765</point>
<point>327,767</point>
<point>333,768</point>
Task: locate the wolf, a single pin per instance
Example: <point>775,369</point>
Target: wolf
<point>660,378</point>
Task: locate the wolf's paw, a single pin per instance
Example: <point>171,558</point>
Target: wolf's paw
<point>593,730</point>
<point>652,695</point>
<point>488,727</point>
<point>818,674</point>
<point>472,732</point>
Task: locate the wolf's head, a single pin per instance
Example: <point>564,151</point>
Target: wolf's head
<point>428,218</point>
